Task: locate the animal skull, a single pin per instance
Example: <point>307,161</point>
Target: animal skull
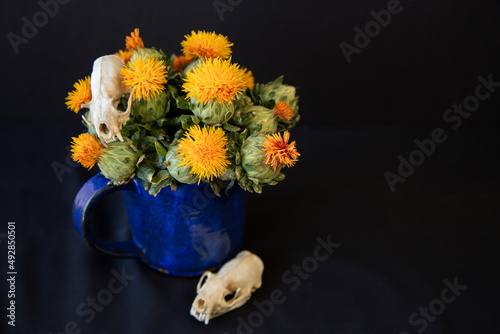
<point>106,84</point>
<point>230,288</point>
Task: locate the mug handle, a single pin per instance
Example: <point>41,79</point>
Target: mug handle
<point>91,192</point>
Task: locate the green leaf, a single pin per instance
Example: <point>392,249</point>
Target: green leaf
<point>159,134</point>
<point>182,103</point>
<point>270,104</point>
<point>167,108</point>
<point>136,136</point>
<point>156,188</point>
<point>228,174</point>
<point>244,135</point>
<point>186,121</point>
<point>237,158</point>
<point>239,172</point>
<point>178,134</point>
<point>172,91</point>
<point>160,176</point>
<point>257,188</point>
<point>156,160</point>
<point>128,129</point>
<point>146,184</point>
<point>255,128</point>
<point>280,177</point>
<point>247,118</point>
<point>195,119</point>
<point>171,121</point>
<point>146,126</point>
<point>173,76</point>
<point>216,186</point>
<point>173,184</point>
<point>229,186</point>
<point>160,149</point>
<point>231,149</point>
<point>287,125</point>
<point>245,184</point>
<point>147,144</point>
<point>230,128</point>
<point>160,121</point>
<point>164,142</point>
<point>145,171</point>
<point>253,179</point>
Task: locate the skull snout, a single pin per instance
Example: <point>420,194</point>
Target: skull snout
<point>103,128</point>
<point>200,312</point>
<point>200,304</point>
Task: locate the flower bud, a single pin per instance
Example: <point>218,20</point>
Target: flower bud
<point>149,110</point>
<point>253,159</point>
<point>212,113</point>
<point>264,117</point>
<point>180,173</point>
<point>158,55</point>
<point>117,162</point>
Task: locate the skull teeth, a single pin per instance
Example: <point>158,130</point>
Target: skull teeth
<point>203,317</point>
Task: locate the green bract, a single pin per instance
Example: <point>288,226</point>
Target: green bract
<point>276,91</point>
<point>181,173</point>
<point>150,110</point>
<point>263,116</point>
<point>212,113</point>
<point>146,52</point>
<point>118,161</point>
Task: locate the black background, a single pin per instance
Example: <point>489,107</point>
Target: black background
<point>397,247</point>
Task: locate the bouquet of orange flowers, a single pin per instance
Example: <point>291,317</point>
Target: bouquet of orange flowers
<point>192,118</point>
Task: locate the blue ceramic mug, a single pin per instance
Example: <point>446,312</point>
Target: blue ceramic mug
<point>182,232</point>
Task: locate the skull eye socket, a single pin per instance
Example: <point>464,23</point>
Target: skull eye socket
<point>203,280</point>
<point>229,296</point>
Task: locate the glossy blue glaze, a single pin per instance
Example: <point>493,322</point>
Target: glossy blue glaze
<point>182,232</point>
